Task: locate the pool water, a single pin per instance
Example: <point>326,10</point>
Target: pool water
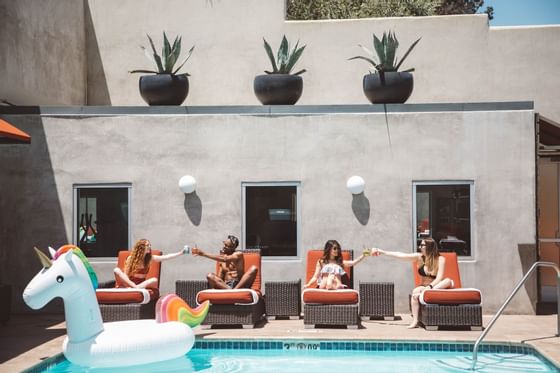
<point>339,357</point>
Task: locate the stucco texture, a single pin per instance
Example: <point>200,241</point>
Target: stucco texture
<point>493,149</point>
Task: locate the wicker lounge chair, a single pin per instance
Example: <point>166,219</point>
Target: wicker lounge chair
<point>330,307</point>
<point>118,302</point>
<point>457,307</point>
<point>229,307</point>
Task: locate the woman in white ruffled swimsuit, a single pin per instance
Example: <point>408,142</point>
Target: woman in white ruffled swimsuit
<point>328,271</point>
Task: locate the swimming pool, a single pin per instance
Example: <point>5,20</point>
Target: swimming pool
<point>336,356</point>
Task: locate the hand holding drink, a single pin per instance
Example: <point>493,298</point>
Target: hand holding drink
<point>195,251</point>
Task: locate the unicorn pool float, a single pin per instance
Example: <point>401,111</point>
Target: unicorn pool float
<point>92,343</point>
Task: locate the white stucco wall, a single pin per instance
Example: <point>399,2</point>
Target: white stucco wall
<point>459,59</point>
<point>495,149</point>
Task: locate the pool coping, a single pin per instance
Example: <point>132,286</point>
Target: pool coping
<point>296,342</point>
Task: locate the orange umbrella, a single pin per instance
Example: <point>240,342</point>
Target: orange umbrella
<point>12,135</point>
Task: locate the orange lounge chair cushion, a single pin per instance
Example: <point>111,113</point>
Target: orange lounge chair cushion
<point>322,296</point>
<point>125,296</point>
<point>229,296</point>
<point>451,296</point>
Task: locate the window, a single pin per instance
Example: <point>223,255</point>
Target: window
<point>443,212</point>
<point>101,219</point>
<point>270,218</point>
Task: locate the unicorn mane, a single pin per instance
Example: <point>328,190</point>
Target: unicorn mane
<point>80,254</point>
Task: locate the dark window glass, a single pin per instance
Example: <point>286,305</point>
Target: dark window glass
<point>271,219</point>
<point>443,213</point>
<point>102,228</point>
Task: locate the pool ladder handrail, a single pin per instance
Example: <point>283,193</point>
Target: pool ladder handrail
<point>510,297</point>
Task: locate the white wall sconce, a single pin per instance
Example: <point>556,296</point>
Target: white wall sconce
<point>187,184</point>
<point>355,185</point>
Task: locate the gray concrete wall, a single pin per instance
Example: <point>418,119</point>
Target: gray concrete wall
<point>43,52</point>
<point>495,149</point>
<point>460,58</point>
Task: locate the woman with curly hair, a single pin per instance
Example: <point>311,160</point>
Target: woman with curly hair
<point>137,265</point>
<point>328,271</point>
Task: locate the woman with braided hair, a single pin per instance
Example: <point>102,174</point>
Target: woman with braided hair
<point>138,262</point>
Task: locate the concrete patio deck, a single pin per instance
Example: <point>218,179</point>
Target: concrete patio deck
<point>28,339</point>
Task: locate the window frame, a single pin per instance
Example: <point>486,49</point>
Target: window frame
<point>297,184</point>
<point>471,185</point>
<point>75,188</point>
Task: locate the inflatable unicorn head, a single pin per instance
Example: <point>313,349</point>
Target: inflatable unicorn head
<point>70,277</point>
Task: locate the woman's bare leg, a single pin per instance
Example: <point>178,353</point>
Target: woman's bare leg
<point>148,282</point>
<point>123,277</point>
<point>330,280</point>
<point>323,284</point>
<point>444,284</point>
<point>415,306</point>
<point>337,283</point>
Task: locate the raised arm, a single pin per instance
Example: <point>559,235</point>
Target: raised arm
<point>313,279</point>
<point>411,257</point>
<point>351,263</point>
<point>219,258</point>
<point>161,258</point>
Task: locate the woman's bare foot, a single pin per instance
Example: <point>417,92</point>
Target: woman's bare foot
<point>413,325</point>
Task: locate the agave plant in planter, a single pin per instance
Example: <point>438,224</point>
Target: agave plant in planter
<point>280,86</point>
<point>166,86</point>
<point>387,85</point>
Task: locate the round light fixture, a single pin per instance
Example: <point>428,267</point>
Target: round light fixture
<point>355,185</point>
<point>187,184</point>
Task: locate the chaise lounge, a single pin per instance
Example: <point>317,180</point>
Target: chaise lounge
<point>117,302</point>
<point>228,306</point>
<point>330,307</point>
<point>457,307</point>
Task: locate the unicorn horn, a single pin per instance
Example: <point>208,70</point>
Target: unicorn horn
<point>45,261</point>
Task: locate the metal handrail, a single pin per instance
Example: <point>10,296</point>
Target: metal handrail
<point>535,265</point>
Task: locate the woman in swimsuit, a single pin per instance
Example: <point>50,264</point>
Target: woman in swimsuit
<point>431,267</point>
<point>328,271</point>
<point>137,265</point>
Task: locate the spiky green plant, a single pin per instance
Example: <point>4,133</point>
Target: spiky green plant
<point>285,60</point>
<point>169,56</point>
<point>386,50</point>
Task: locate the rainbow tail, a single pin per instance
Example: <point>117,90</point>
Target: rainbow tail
<point>173,308</point>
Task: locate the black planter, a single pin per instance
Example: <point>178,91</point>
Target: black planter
<point>164,89</point>
<point>395,88</point>
<point>278,89</point>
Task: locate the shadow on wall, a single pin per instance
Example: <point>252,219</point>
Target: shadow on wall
<point>96,85</point>
<point>30,210</point>
<point>193,207</point>
<point>527,257</point>
<point>360,208</point>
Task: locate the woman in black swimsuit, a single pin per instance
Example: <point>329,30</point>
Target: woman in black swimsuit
<point>431,267</point>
